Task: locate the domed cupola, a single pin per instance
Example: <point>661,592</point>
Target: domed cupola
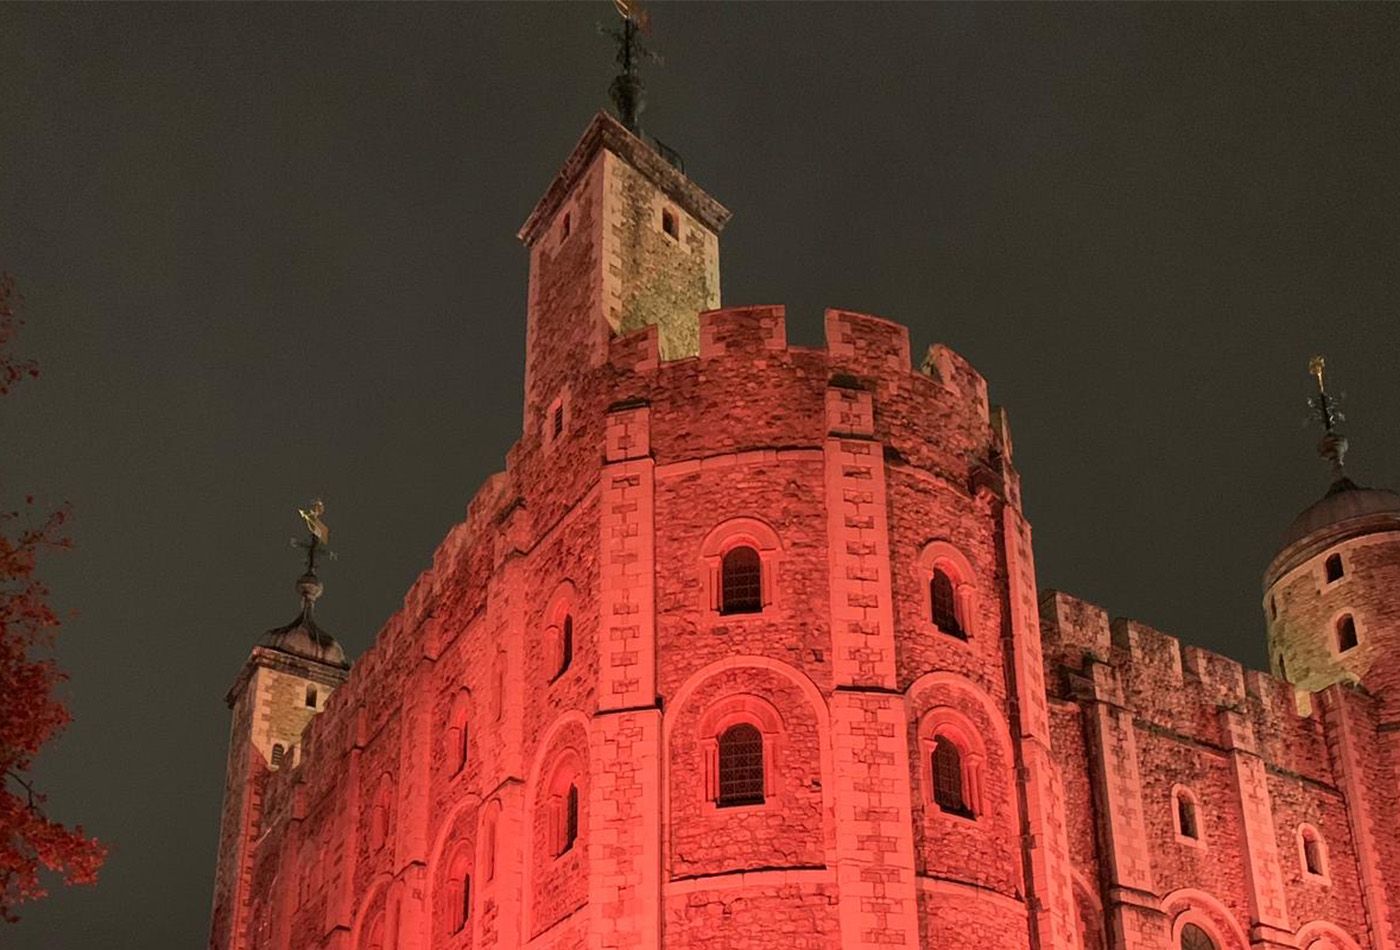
<point>1332,591</point>
<point>303,638</point>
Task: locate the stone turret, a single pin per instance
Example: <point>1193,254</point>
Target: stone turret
<point>1330,592</point>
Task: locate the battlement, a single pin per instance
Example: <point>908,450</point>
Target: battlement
<point>1176,687</point>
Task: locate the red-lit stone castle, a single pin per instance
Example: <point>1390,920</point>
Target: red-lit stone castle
<point>744,649</point>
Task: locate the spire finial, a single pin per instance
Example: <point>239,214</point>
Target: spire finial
<point>1333,446</point>
<point>628,93</point>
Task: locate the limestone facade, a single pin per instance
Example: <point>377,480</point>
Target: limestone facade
<point>744,650</point>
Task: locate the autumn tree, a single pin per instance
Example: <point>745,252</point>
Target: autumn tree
<point>31,713</point>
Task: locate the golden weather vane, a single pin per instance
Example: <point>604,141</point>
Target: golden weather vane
<point>314,524</point>
<point>319,534</point>
<point>1316,366</point>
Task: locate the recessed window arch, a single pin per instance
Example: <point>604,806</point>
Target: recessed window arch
<point>487,843</point>
<point>952,763</point>
<point>457,739</point>
<point>1312,853</point>
<point>1186,816</point>
<point>669,224</point>
<point>740,766</point>
<point>741,581</point>
<point>564,805</point>
<point>1194,937</point>
<point>560,640</point>
<point>739,736</point>
<point>1332,568</point>
<point>458,904</point>
<point>950,596</point>
<point>379,814</point>
<point>739,560</point>
<point>1347,638</point>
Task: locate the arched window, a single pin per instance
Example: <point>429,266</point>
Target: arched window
<point>570,829</point>
<point>1187,825</point>
<point>379,815</point>
<point>488,847</point>
<point>741,579</point>
<point>740,766</point>
<point>1346,633</point>
<point>457,741</point>
<point>1333,566</point>
<point>279,755</point>
<point>310,696</point>
<point>944,600</point>
<point>566,644</point>
<point>459,889</point>
<point>948,779</point>
<point>1194,938</point>
<point>1312,851</point>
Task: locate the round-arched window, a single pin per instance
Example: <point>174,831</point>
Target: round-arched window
<point>741,582</point>
<point>740,766</point>
<point>1194,938</point>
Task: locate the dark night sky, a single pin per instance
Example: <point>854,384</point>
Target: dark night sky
<point>268,252</point>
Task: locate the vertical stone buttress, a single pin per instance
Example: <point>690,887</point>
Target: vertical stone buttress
<point>1268,904</point>
<point>411,841</point>
<point>624,832</point>
<point>869,722</point>
<point>1045,843</point>
<point>1132,907</point>
<point>1352,746</point>
<point>506,618</point>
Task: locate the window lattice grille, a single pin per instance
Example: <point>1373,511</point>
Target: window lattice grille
<point>948,777</point>
<point>1194,938</point>
<point>741,766</point>
<point>945,604</point>
<point>741,582</point>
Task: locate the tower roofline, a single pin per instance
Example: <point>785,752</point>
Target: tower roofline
<point>605,132</point>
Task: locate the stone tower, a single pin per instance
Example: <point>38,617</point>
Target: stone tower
<point>1332,592</point>
<point>282,686</point>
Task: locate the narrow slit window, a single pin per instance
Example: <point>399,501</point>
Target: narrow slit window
<point>566,227</point>
<point>1334,568</point>
<point>943,597</point>
<point>669,224</point>
<point>740,766</point>
<point>570,820</point>
<point>464,911</point>
<point>1312,853</point>
<point>557,420</point>
<point>279,755</point>
<point>311,697</point>
<point>1186,817</point>
<point>1346,633</point>
<point>566,645</point>
<point>947,769</point>
<point>1273,608</point>
<point>741,582</point>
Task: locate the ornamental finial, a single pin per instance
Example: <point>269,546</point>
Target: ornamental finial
<point>627,91</point>
<point>1333,446</point>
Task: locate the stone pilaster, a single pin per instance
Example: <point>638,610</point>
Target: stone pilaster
<point>874,825</point>
<point>1350,755</point>
<point>1050,888</point>
<point>624,812</point>
<point>1268,904</point>
<point>1132,908</point>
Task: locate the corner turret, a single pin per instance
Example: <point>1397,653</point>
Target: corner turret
<point>1330,592</point>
